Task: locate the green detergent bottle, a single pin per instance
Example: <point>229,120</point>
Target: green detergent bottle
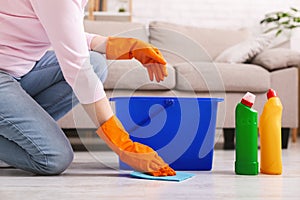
<point>246,161</point>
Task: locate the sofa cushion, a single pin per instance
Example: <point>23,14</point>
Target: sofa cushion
<point>245,50</point>
<point>278,58</point>
<point>185,43</point>
<point>112,28</point>
<point>219,77</point>
<point>131,75</point>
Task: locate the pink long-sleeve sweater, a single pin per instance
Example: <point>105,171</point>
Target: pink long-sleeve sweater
<point>28,28</point>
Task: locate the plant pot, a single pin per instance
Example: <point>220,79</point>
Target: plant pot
<point>295,39</point>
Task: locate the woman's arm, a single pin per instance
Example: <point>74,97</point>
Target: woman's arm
<point>98,43</point>
<point>63,23</point>
<point>117,48</point>
<point>99,111</point>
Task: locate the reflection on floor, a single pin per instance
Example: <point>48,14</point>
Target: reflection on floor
<point>95,176</point>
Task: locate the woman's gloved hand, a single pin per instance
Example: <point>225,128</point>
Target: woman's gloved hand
<point>148,55</point>
<point>140,157</point>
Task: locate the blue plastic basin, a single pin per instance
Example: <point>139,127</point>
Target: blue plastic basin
<point>181,130</point>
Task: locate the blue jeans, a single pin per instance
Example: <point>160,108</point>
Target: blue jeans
<point>30,138</point>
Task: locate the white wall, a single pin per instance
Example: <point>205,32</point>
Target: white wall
<point>208,13</point>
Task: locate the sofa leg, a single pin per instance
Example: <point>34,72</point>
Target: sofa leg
<point>229,135</point>
<point>294,134</point>
<point>285,133</point>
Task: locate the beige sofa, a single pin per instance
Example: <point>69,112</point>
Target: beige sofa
<point>191,54</point>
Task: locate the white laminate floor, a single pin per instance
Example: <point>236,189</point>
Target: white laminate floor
<point>88,178</point>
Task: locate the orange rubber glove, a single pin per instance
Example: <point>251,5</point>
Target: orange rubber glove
<point>128,48</point>
<point>138,156</point>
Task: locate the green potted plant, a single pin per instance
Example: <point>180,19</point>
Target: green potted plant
<point>123,6</point>
<point>286,24</point>
<point>281,21</point>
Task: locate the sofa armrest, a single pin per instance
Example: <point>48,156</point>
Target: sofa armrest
<point>278,58</point>
<point>131,75</point>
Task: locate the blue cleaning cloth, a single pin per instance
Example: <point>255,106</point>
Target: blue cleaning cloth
<point>180,176</point>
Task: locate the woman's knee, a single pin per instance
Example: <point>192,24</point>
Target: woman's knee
<point>58,163</point>
<point>99,64</point>
<point>57,154</point>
